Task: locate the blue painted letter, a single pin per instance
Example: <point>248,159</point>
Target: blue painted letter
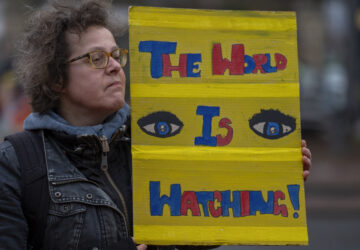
<point>157,48</point>
<point>157,203</point>
<point>257,203</point>
<point>226,203</point>
<point>208,113</point>
<point>267,67</point>
<point>191,59</point>
<point>203,198</point>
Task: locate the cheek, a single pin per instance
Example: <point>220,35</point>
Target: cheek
<point>82,83</point>
<point>123,81</point>
<point>84,75</point>
<point>123,77</point>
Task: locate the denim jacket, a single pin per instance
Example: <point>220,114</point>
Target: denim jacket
<point>81,214</point>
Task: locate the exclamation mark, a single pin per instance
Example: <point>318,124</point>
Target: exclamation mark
<point>294,197</point>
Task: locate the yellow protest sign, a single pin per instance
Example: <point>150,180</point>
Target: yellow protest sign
<point>216,137</point>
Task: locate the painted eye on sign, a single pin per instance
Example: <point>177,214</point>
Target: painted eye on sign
<point>272,124</point>
<point>160,124</point>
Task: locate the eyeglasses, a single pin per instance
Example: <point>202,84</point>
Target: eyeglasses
<point>99,59</point>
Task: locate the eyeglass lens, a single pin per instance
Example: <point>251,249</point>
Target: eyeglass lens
<point>100,59</point>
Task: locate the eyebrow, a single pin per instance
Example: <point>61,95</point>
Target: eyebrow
<point>102,48</point>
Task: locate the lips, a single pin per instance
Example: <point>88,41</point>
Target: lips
<point>116,84</point>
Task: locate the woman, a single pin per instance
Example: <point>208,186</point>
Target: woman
<point>72,69</point>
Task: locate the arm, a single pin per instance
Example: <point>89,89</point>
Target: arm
<point>13,226</point>
<point>306,159</point>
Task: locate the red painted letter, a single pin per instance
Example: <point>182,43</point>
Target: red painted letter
<point>236,66</point>
<point>260,60</point>
<point>215,212</point>
<point>222,141</point>
<point>189,201</point>
<point>281,61</point>
<point>167,68</point>
<point>244,201</point>
<point>279,209</point>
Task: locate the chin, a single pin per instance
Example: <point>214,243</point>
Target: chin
<point>112,104</point>
<point>118,105</point>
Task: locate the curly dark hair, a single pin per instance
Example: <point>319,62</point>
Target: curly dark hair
<point>43,51</point>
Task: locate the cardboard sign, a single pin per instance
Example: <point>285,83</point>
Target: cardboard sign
<point>216,137</point>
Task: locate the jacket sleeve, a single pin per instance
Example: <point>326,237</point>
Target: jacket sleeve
<point>13,226</point>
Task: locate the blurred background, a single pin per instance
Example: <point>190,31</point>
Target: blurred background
<point>329,66</point>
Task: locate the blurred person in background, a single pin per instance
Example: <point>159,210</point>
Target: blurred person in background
<point>72,70</point>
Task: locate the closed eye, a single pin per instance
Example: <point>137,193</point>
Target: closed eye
<point>160,124</point>
<point>272,124</point>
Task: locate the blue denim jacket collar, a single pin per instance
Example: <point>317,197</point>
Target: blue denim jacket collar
<point>67,183</point>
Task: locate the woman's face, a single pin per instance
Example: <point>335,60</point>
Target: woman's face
<point>91,94</point>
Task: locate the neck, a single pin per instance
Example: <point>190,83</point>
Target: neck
<point>80,118</point>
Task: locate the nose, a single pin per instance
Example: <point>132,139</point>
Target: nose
<point>113,66</point>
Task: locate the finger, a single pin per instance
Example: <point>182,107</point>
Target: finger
<point>306,152</point>
<point>306,173</point>
<point>303,143</point>
<point>141,247</point>
<point>306,163</point>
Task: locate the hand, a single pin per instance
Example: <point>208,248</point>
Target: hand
<point>141,246</point>
<point>306,159</point>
